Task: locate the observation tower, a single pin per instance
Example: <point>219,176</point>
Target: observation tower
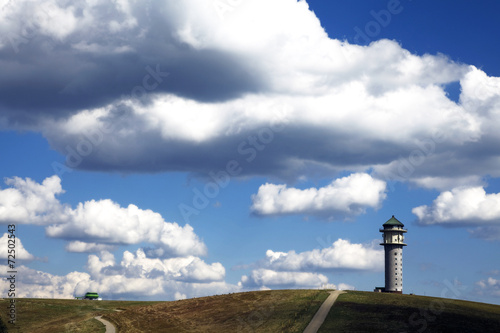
<point>393,242</point>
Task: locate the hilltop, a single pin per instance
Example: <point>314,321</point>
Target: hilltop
<point>261,311</point>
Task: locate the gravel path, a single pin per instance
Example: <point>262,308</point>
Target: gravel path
<point>110,328</point>
<point>320,316</point>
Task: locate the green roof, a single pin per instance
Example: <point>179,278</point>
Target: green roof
<point>393,221</point>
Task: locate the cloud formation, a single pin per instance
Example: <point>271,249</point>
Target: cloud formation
<point>169,268</point>
<point>489,286</point>
<point>265,278</point>
<point>29,202</point>
<point>461,206</point>
<point>187,269</point>
<point>304,269</point>
<point>106,222</point>
<point>92,53</point>
<point>94,225</point>
<point>346,196</point>
<point>341,255</point>
<point>79,246</point>
<point>20,252</point>
<point>135,277</point>
<point>125,81</point>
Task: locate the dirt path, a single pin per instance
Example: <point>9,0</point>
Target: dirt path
<point>110,328</point>
<point>320,316</point>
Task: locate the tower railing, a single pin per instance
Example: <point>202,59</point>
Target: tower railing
<point>392,229</point>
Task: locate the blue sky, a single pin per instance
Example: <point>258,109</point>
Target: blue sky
<point>169,150</point>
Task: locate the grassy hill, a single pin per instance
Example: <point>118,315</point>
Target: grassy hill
<point>261,311</point>
<point>58,315</point>
<point>359,311</point>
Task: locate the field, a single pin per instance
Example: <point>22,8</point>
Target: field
<point>359,311</point>
<point>261,311</point>
<point>54,315</point>
<point>271,311</point>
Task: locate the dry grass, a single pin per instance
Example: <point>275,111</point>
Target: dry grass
<point>262,311</point>
<point>265,311</point>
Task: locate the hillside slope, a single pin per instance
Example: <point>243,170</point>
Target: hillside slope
<point>42,315</point>
<point>291,310</point>
<point>260,311</point>
<point>359,311</point>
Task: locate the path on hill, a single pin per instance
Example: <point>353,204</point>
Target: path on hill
<point>320,316</point>
<point>110,328</point>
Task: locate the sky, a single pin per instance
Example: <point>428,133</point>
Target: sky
<point>163,150</point>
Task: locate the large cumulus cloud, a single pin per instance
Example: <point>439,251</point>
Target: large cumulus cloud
<point>94,225</point>
<point>135,277</point>
<point>345,196</point>
<point>462,206</point>
<point>154,86</point>
<point>71,56</point>
<point>467,206</point>
<point>306,269</point>
<point>168,266</point>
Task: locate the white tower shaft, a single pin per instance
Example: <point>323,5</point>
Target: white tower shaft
<point>393,242</point>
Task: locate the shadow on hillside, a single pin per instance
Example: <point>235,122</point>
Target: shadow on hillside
<point>410,314</point>
<point>3,327</point>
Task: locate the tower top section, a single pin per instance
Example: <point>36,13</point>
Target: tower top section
<point>393,232</point>
<point>393,222</point>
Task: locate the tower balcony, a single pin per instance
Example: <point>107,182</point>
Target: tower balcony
<point>392,230</point>
<point>394,243</point>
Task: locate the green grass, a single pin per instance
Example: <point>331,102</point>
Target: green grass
<point>55,315</point>
<point>379,312</point>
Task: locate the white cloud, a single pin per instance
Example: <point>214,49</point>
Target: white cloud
<point>79,246</point>
<point>169,270</point>
<point>300,270</point>
<point>345,286</point>
<point>106,222</point>
<point>342,255</point>
<point>19,253</point>
<point>135,277</point>
<point>189,269</point>
<point>46,18</point>
<point>94,224</point>
<point>347,107</point>
<point>447,183</point>
<point>350,195</point>
<point>29,202</point>
<point>37,284</point>
<point>480,93</point>
<point>461,206</point>
<point>489,286</point>
<point>269,278</point>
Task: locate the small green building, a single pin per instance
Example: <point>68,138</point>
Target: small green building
<point>92,296</point>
